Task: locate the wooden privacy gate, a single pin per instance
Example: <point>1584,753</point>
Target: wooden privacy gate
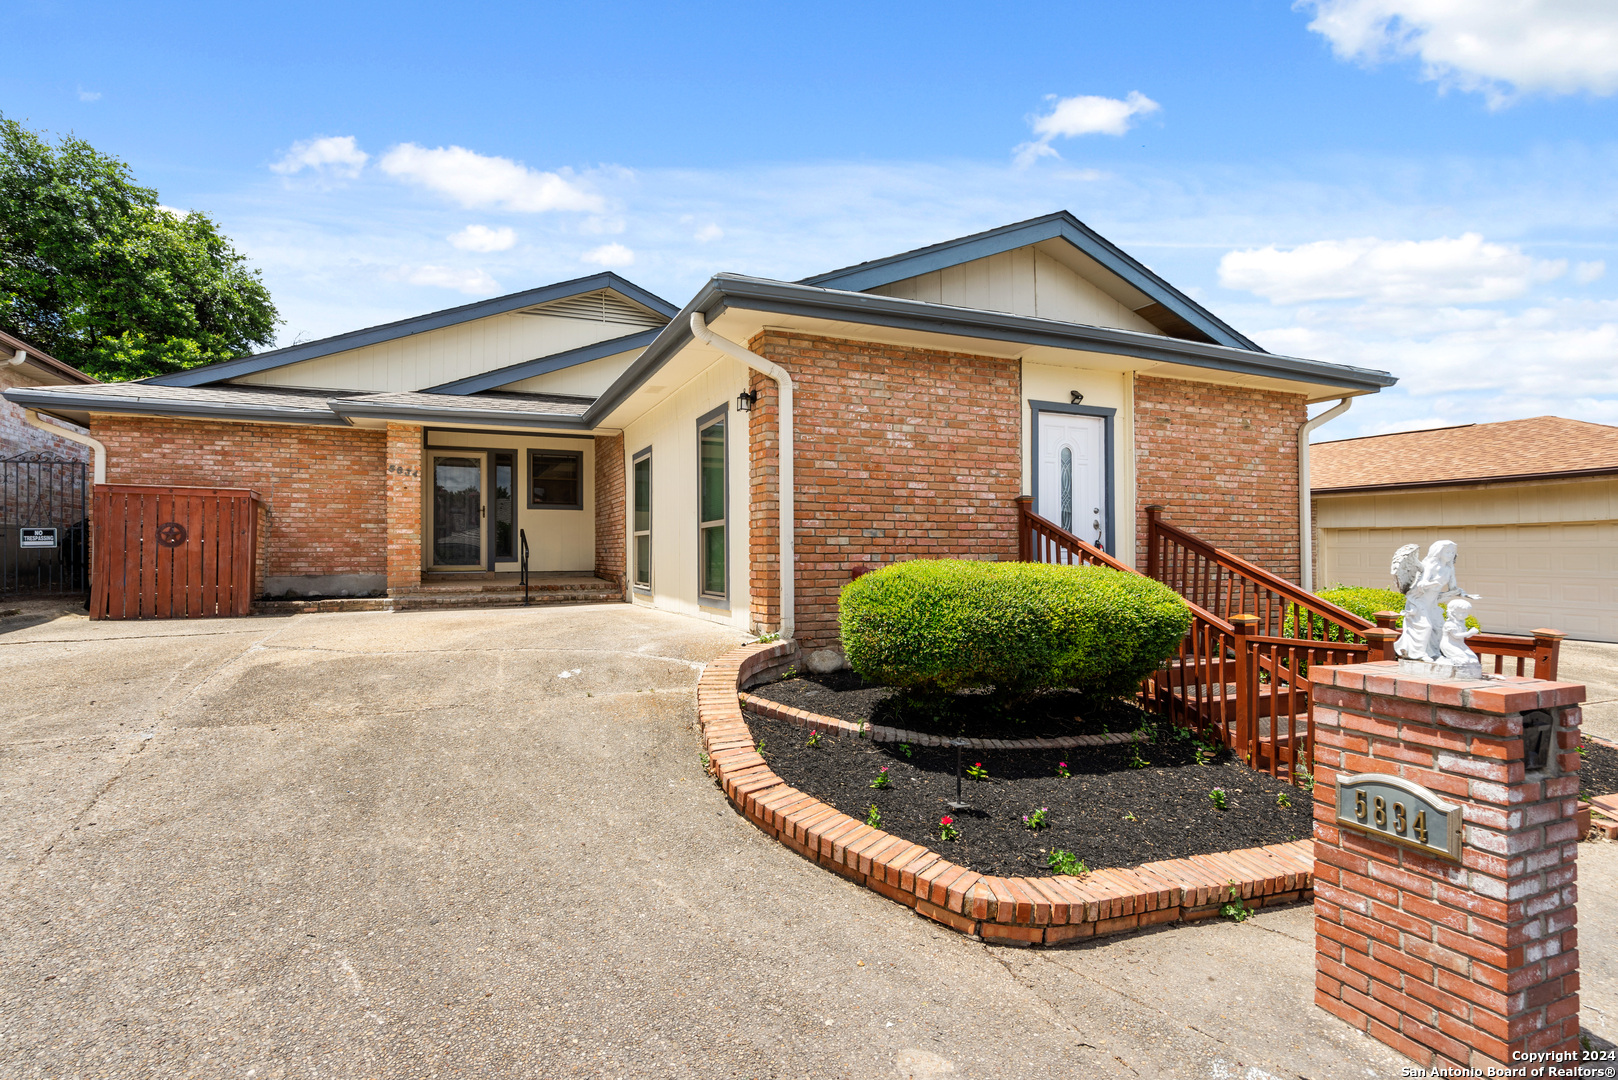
<point>1241,674</point>
<point>172,552</point>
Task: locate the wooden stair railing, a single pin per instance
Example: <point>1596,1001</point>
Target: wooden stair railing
<point>1242,670</point>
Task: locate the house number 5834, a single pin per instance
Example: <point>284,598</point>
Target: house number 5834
<point>1378,811</point>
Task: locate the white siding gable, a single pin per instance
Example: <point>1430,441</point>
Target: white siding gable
<point>456,352</point>
<point>1027,281</point>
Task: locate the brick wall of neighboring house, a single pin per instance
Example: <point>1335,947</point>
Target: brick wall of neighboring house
<point>610,530</point>
<point>899,453</point>
<point>18,436</point>
<point>322,486</point>
<point>1223,461</point>
<point>402,514</point>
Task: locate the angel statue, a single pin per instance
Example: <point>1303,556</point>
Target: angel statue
<point>1428,584</point>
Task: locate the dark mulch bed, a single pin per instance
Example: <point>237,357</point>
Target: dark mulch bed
<point>1107,813</point>
<point>1598,769</point>
<point>843,695</point>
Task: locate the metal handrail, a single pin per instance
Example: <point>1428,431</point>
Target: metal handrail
<point>522,538</point>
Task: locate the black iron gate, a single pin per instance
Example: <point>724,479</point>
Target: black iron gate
<point>44,524</point>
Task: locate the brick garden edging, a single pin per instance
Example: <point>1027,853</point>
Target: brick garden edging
<point>1022,911</point>
<point>880,733</point>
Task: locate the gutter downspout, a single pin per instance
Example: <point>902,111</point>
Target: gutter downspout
<point>61,432</point>
<point>783,381</point>
<point>1306,546</point>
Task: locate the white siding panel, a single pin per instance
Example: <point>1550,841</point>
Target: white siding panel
<point>440,356</point>
<point>1024,282</point>
<point>670,429</point>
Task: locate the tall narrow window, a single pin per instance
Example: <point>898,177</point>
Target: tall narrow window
<point>505,506</point>
<point>711,506</point>
<point>642,525</point>
<point>1067,488</point>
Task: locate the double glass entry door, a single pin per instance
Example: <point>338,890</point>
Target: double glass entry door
<point>459,509</point>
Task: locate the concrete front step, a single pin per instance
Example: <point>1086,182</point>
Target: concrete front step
<point>423,601</point>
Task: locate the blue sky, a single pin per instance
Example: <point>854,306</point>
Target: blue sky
<point>1391,183</point>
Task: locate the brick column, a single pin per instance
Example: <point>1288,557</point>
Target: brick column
<point>404,496</point>
<point>1464,963</point>
<point>611,535</point>
<point>764,505</point>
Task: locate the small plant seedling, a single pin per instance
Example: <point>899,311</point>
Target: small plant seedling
<point>789,673</point>
<point>760,748</point>
<point>814,738</point>
<point>1063,771</point>
<point>1205,754</point>
<point>1066,863</point>
<point>1036,821</point>
<point>1283,800</point>
<point>768,638</point>
<point>1217,795</point>
<point>1233,908</point>
<point>882,780</point>
<point>1129,815</point>
<point>1306,780</point>
<point>707,763</point>
<point>874,817</point>
<point>977,771</point>
<point>906,749</point>
<point>1584,751</point>
<point>1135,760</point>
<point>861,730</point>
<point>946,828</point>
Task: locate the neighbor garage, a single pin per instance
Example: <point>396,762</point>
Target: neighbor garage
<point>1533,505</point>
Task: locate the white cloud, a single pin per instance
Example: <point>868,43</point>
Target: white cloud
<point>1450,270</point>
<point>1501,48</point>
<point>473,282</point>
<point>336,155</point>
<point>476,180</point>
<point>708,232</point>
<point>482,238</point>
<point>1586,272</point>
<point>610,255</point>
<point>1083,115</point>
<point>89,95</point>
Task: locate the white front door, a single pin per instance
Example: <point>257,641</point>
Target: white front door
<point>1073,474</point>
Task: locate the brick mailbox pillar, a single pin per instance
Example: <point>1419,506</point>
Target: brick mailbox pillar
<point>1445,859</point>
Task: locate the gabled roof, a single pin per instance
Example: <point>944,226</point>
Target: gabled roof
<point>1538,448</point>
<point>437,320</point>
<point>1170,310</point>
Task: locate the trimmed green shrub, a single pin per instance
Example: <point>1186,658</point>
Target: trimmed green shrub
<point>949,624</point>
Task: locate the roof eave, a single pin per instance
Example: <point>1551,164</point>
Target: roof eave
<point>417,324</point>
<point>56,403</point>
<point>1467,481</point>
<point>412,414</point>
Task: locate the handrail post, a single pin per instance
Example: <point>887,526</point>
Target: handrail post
<point>1387,620</point>
<point>1380,639</point>
<point>1246,683</point>
<point>1152,512</point>
<point>1025,542</point>
<point>1547,653</point>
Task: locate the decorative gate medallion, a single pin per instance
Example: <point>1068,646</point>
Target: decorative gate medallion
<point>171,534</point>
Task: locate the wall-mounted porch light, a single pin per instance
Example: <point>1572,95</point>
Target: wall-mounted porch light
<point>744,401</point>
<point>1075,397</point>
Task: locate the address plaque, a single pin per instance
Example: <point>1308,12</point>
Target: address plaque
<point>1393,808</point>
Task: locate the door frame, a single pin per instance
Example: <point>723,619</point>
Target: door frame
<point>1110,477</point>
<point>484,548</point>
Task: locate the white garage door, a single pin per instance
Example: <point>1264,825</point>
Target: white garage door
<point>1562,575</point>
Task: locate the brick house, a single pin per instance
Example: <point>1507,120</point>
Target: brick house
<point>642,444</point>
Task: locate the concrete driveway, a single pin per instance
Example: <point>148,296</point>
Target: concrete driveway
<point>402,845</point>
<point>1595,664</point>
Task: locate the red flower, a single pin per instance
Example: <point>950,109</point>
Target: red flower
<point>946,820</point>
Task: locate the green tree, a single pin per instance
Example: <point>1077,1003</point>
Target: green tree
<point>94,271</point>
